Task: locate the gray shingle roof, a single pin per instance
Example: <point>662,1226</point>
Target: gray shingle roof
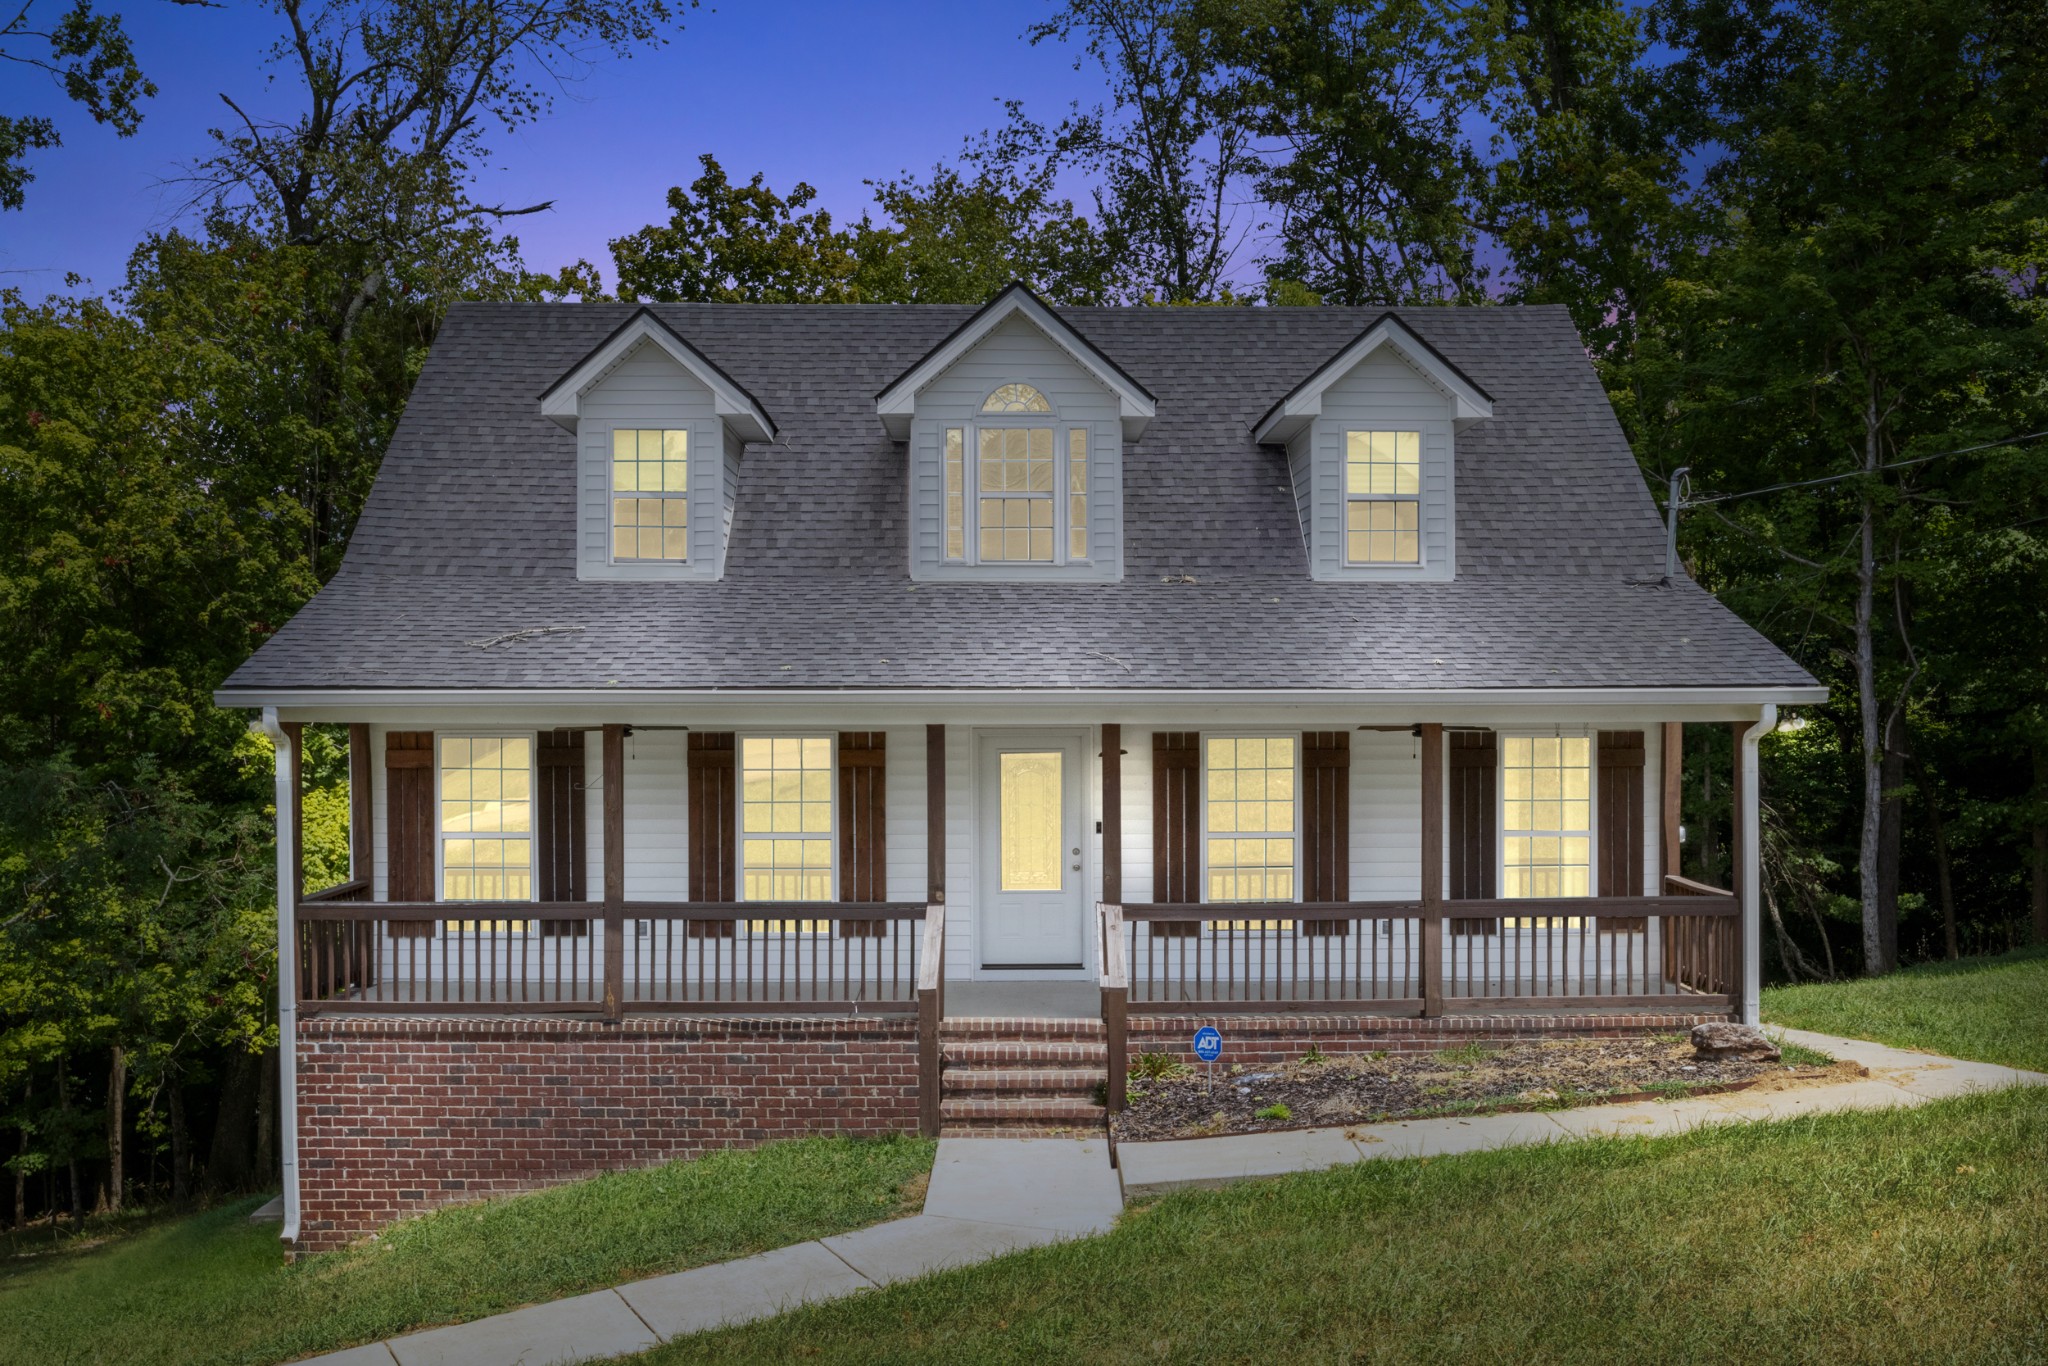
<point>469,531</point>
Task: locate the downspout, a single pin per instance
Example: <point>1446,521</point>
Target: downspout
<point>1752,869</point>
<point>287,983</point>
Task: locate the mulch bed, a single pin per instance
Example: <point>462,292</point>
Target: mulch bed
<point>1368,1088</point>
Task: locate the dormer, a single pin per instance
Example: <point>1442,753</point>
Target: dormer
<point>1015,427</point>
<point>1371,443</point>
<point>659,434</point>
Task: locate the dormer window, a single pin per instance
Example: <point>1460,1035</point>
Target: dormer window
<point>1382,497</point>
<point>650,494</point>
<point>1012,490</point>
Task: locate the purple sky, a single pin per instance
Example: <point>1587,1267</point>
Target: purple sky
<point>832,93</point>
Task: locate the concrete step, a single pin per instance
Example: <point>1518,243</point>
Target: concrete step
<point>994,1129</point>
<point>1024,1053</point>
<point>1034,1112</point>
<point>1075,1082</point>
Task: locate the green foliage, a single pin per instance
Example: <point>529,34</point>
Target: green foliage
<point>212,1288</point>
<point>90,57</point>
<point>1985,1009</point>
<point>1276,1112</point>
<point>1158,1067</point>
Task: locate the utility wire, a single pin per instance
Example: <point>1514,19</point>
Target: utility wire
<point>1688,502</point>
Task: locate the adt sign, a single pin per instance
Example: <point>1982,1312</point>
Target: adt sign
<point>1208,1044</point>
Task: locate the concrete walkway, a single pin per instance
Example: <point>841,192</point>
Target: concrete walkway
<point>988,1196</point>
<point>1897,1077</point>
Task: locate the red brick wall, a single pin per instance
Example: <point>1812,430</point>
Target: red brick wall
<point>398,1116</point>
<point>1283,1038</point>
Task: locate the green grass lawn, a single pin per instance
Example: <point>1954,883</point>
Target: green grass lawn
<point>213,1288</point>
<point>1872,1237</point>
<point>1986,1009</point>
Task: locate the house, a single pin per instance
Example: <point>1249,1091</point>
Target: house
<point>768,720</point>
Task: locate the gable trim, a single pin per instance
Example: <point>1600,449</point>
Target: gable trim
<point>737,408</point>
<point>898,402</point>
<point>1469,403</point>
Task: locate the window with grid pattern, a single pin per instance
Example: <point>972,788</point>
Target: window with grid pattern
<point>650,495</point>
<point>1016,483</point>
<point>956,493</point>
<point>1250,821</point>
<point>486,822</point>
<point>1546,819</point>
<point>786,838</point>
<point>1383,497</point>
<point>1077,493</point>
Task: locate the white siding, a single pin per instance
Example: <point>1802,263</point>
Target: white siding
<point>1017,351</point>
<point>657,818</point>
<point>1382,392</point>
<point>1386,816</point>
<point>648,389</point>
<point>904,814</point>
<point>1137,804</point>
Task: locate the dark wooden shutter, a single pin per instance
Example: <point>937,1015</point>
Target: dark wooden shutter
<point>863,817</point>
<point>714,829</point>
<point>1326,824</point>
<point>561,842</point>
<point>1176,826</point>
<point>409,814</point>
<point>1618,817</point>
<point>1473,786</point>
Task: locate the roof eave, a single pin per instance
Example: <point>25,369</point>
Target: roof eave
<point>738,409</point>
<point>1287,418</point>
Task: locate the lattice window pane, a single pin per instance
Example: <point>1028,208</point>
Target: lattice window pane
<point>1387,463</point>
<point>786,819</point>
<point>1016,398</point>
<point>654,466</point>
<point>956,493</point>
<point>1546,818</point>
<point>1383,532</point>
<point>1252,810</point>
<point>1077,493</point>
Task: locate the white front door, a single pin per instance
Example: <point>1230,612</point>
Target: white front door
<point>1031,882</point>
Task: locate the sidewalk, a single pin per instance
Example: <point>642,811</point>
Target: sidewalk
<point>1897,1077</point>
<point>988,1196</point>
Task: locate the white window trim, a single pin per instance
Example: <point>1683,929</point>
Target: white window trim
<point>739,815</point>
<point>532,837</point>
<point>1062,529</point>
<point>1348,498</point>
<point>1500,809</point>
<point>1202,739</point>
<point>611,494</point>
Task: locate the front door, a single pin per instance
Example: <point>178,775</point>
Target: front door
<point>1031,907</point>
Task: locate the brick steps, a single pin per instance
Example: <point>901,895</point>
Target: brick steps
<point>1021,1078</point>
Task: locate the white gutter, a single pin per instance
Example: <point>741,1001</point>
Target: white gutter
<point>1752,870</point>
<point>1128,698</point>
<point>287,982</point>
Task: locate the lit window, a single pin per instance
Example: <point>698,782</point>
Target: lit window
<point>650,495</point>
<point>956,493</point>
<point>486,822</point>
<point>1077,493</point>
<point>1383,497</point>
<point>1546,818</point>
<point>1016,493</point>
<point>1250,821</point>
<point>786,822</point>
<point>1016,398</point>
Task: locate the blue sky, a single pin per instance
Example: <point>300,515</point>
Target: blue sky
<point>832,93</point>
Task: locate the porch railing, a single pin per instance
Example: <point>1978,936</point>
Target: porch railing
<point>1599,952</point>
<point>494,957</point>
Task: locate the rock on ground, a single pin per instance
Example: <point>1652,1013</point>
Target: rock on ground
<point>1723,1039</point>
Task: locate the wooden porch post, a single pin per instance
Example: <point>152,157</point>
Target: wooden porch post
<point>931,994</point>
<point>1674,774</point>
<point>1116,989</point>
<point>1432,869</point>
<point>362,861</point>
<point>614,871</point>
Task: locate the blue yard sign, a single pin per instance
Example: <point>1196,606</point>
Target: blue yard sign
<point>1208,1044</point>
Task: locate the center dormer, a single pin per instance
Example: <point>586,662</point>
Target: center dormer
<point>1015,427</point>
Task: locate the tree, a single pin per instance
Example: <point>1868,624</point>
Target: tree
<point>1170,151</point>
<point>727,243</point>
<point>1866,299</point>
<point>88,55</point>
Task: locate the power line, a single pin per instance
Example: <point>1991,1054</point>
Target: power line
<point>1679,497</point>
<point>1685,502</point>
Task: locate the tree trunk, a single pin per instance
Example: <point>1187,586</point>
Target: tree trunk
<point>266,1121</point>
<point>1890,828</point>
<point>2040,843</point>
<point>28,1096</point>
<point>228,1166</point>
<point>180,1145</point>
<point>70,1147</point>
<point>1870,837</point>
<point>1944,881</point>
<point>117,1094</point>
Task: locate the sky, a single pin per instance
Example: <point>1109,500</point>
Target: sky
<point>829,93</point>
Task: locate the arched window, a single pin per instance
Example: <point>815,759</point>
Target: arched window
<point>1007,508</point>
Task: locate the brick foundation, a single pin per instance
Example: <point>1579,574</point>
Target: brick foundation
<point>1283,1038</point>
<point>400,1115</point>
